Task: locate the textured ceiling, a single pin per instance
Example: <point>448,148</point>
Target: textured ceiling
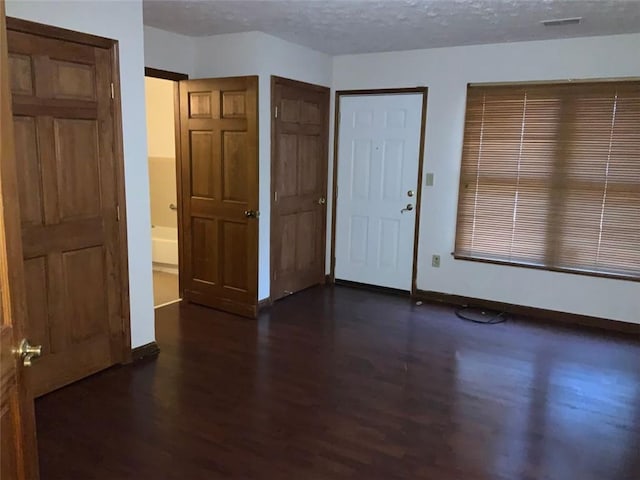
<point>348,26</point>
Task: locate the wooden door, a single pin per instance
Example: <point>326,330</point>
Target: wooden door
<point>299,185</point>
<point>378,164</point>
<point>68,180</point>
<point>18,449</point>
<point>219,195</point>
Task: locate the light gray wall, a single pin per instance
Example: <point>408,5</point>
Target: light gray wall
<point>169,51</point>
<point>256,53</point>
<point>446,71</point>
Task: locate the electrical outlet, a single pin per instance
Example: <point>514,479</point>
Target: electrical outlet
<point>435,261</point>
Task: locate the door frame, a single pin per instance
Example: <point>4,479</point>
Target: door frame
<point>275,81</point>
<point>334,195</point>
<point>57,33</point>
<point>175,77</point>
<point>24,444</point>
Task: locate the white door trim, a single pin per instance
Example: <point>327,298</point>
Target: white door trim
<point>418,200</point>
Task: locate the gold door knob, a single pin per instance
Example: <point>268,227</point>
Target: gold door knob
<point>251,213</point>
<point>322,201</point>
<point>28,352</point>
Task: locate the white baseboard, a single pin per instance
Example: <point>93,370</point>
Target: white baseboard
<point>166,268</point>
<point>168,303</point>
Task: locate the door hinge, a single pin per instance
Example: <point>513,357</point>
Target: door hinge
<point>275,196</point>
<point>276,112</point>
<point>117,213</point>
<point>113,91</point>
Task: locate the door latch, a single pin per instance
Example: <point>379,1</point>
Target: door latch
<point>28,352</point>
<point>408,208</point>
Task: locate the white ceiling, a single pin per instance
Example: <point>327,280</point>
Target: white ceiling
<point>350,26</point>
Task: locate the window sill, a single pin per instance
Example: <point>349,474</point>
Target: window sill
<point>589,273</point>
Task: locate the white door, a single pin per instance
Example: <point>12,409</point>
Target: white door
<point>378,150</point>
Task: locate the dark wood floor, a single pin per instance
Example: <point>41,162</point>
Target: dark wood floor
<point>342,383</point>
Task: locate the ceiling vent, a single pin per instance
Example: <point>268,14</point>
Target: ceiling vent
<point>557,22</point>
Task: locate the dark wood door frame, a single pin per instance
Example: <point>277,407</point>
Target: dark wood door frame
<point>18,442</point>
<point>164,74</point>
<point>48,31</point>
<point>175,77</point>
<point>275,80</point>
<point>334,198</point>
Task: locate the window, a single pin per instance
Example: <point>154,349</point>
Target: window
<point>550,177</point>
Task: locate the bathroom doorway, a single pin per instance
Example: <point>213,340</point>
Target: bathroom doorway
<point>160,97</point>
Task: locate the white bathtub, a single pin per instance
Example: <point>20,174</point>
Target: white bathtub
<point>164,248</point>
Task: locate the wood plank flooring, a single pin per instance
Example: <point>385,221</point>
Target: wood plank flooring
<point>338,383</point>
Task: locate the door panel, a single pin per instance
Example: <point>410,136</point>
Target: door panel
<point>234,166</point>
<point>202,166</point>
<point>219,164</point>
<point>308,240</point>
<point>67,177</point>
<point>18,449</point>
<point>378,158</point>
<point>77,168</point>
<point>286,165</point>
<point>26,142</point>
<point>85,301</point>
<point>299,184</point>
<point>204,258</point>
<point>234,245</point>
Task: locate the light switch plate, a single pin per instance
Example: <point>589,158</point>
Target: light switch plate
<point>429,180</point>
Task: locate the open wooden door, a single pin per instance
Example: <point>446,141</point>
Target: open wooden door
<point>219,194</point>
<point>70,175</point>
<point>299,144</point>
<point>18,449</point>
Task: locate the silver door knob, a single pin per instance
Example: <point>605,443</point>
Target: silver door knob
<point>251,213</point>
<point>408,208</point>
<point>322,201</point>
<point>410,193</point>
